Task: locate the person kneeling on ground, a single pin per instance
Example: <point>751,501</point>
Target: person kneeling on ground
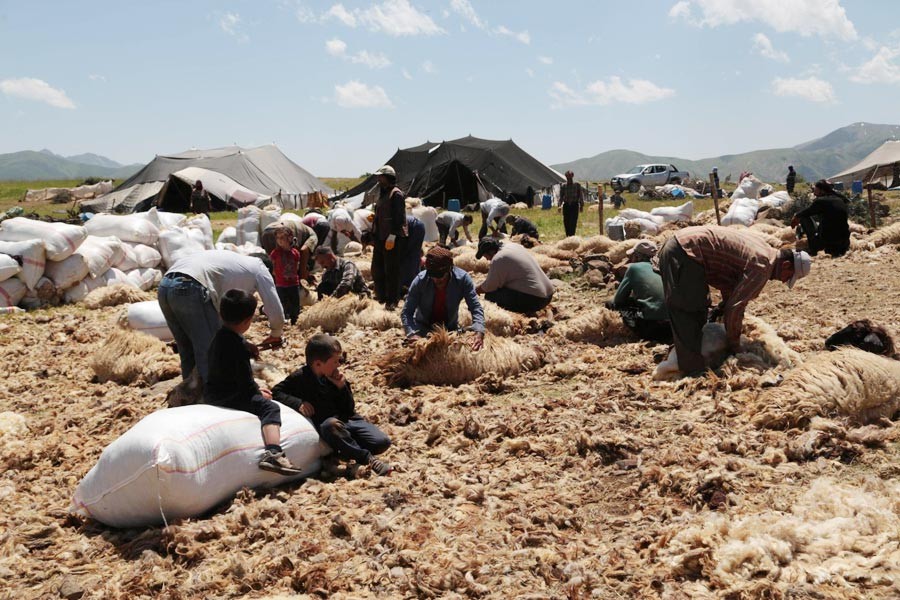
<point>230,381</point>
<point>640,299</point>
<point>341,276</point>
<point>434,297</point>
<point>321,393</point>
<point>514,280</point>
<point>832,232</point>
<point>522,226</point>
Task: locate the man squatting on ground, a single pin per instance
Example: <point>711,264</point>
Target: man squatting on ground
<point>522,226</point>
<point>321,393</point>
<point>640,298</point>
<point>341,276</point>
<point>514,280</point>
<point>735,263</point>
<point>434,297</point>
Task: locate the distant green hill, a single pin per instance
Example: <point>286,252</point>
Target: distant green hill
<point>813,160</point>
<point>29,166</point>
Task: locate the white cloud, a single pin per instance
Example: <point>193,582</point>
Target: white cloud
<point>826,18</point>
<point>428,67</point>
<point>811,88</point>
<point>95,77</point>
<point>38,90</point>
<point>465,9</point>
<point>614,90</point>
<point>393,17</point>
<point>522,36</point>
<point>529,71</point>
<point>305,14</point>
<point>546,60</point>
<point>355,94</point>
<point>406,74</point>
<point>338,48</point>
<point>763,46</point>
<point>230,23</point>
<point>881,68</point>
<point>341,14</point>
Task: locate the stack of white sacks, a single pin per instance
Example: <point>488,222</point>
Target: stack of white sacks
<point>745,201</point>
<point>650,222</point>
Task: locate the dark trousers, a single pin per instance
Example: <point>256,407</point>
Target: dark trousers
<point>817,242</point>
<point>517,301</point>
<point>646,329</point>
<point>484,227</point>
<point>687,300</point>
<point>355,439</point>
<point>269,412</point>
<point>411,262</point>
<point>444,233</point>
<point>386,270</point>
<point>290,301</point>
<point>570,217</point>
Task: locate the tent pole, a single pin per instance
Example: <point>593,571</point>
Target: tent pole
<point>600,191</point>
<point>715,195</point>
<point>871,207</point>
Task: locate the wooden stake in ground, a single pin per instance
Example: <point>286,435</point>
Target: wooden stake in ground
<point>715,195</point>
<point>601,188</point>
<point>871,208</point>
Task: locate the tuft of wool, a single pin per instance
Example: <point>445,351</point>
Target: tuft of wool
<point>116,294</point>
<point>596,244</point>
<point>573,242</point>
<point>332,314</point>
<point>374,316</point>
<point>762,340</point>
<point>445,359</point>
<point>850,382</point>
<point>600,326</point>
<point>497,320</point>
<point>128,356</point>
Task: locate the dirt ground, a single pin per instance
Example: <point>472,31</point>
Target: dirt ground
<point>583,478</point>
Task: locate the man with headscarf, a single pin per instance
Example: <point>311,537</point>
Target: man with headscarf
<point>736,263</point>
<point>825,221</point>
<point>640,298</point>
<point>571,198</point>
<point>389,232</point>
<point>434,297</point>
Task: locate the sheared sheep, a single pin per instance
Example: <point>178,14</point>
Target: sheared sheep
<point>595,244</point>
<point>573,242</point>
<point>445,359</point>
<point>129,356</point>
<point>885,235</point>
<point>865,335</point>
<point>853,383</point>
<point>617,254</point>
<point>600,326</point>
<point>115,294</point>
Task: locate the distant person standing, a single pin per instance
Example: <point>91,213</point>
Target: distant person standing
<point>199,199</point>
<point>716,185</point>
<point>791,180</point>
<point>286,271</point>
<point>617,200</point>
<point>571,198</point>
<point>390,233</point>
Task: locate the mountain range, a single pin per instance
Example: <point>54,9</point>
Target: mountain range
<point>29,165</point>
<point>818,159</point>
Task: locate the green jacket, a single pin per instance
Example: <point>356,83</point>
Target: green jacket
<point>645,285</point>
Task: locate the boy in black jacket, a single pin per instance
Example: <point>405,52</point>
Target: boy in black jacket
<point>319,392</point>
<point>230,381</point>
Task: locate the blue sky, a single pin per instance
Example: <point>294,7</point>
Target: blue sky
<point>338,86</point>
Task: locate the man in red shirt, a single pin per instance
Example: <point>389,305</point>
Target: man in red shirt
<point>736,263</point>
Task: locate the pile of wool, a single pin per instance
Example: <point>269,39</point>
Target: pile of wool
<point>374,316</point>
<point>763,341</point>
<point>834,533</point>
<point>497,320</point>
<point>116,294</point>
<point>365,268</point>
<point>332,314</point>
<point>850,382</point>
<point>546,262</point>
<point>466,261</point>
<point>595,244</point>
<point>600,326</point>
<point>554,251</point>
<point>128,356</point>
<point>885,235</point>
<point>573,242</point>
<point>12,427</point>
<point>760,232</point>
<point>786,234</point>
<point>616,254</point>
<point>445,359</point>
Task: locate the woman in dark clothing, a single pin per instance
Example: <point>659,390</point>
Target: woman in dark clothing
<point>825,221</point>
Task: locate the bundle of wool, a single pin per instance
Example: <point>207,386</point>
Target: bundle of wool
<point>12,427</point>
<point>771,240</point>
<point>365,268</point>
<point>762,340</point>
<point>115,294</point>
<point>445,359</point>
<point>467,262</point>
<point>885,235</point>
<point>601,326</point>
<point>853,383</point>
<point>373,316</point>
<point>497,320</point>
<point>554,251</point>
<point>332,314</point>
<point>595,244</point>
<point>633,229</point>
<point>786,234</point>
<point>834,533</point>
<point>545,262</point>
<point>573,242</point>
<point>616,254</point>
<point>129,356</point>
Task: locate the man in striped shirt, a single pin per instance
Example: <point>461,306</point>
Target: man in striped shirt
<point>736,263</point>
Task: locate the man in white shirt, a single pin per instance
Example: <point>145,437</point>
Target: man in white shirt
<point>514,280</point>
<point>340,221</point>
<point>189,296</point>
<point>448,224</point>
<point>493,215</point>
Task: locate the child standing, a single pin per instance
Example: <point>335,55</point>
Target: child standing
<point>320,392</point>
<point>286,270</point>
<point>230,381</point>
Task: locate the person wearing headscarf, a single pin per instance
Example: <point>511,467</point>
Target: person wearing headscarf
<point>825,221</point>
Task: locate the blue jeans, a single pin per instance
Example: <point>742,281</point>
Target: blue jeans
<point>356,439</point>
<point>192,319</point>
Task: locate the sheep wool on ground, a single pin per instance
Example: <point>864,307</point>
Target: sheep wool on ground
<point>129,357</point>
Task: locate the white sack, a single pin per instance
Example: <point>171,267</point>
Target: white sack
<point>144,279</point>
<point>647,226</point>
<point>749,187</point>
<point>270,214</point>
<point>33,260</point>
<point>428,216</point>
<point>148,318</point>
<point>290,217</point>
<point>60,239</point>
<point>163,220</point>
<point>11,292</point>
<point>100,253</point>
<point>777,199</point>
<point>741,212</point>
<point>81,289</point>
<point>713,346</point>
<point>147,256</point>
<point>228,236</point>
<point>180,462</point>
<point>66,273</point>
<point>633,213</point>
<point>9,267</point>
<point>175,243</point>
<point>201,223</point>
<point>129,259</point>
<point>248,225</point>
<point>128,228</point>
<point>672,214</point>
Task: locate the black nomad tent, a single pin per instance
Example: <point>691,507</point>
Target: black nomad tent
<point>470,169</point>
<point>232,175</point>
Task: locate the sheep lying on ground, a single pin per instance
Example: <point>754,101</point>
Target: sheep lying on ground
<point>595,244</point>
<point>885,235</point>
<point>115,294</point>
<point>852,383</point>
<point>865,335</point>
<point>129,356</point>
<point>445,359</point>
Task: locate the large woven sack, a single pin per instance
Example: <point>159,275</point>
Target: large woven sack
<point>428,216</point>
<point>8,267</point>
<point>144,279</point>
<point>67,272</point>
<point>672,214</point>
<point>101,253</point>
<point>79,291</point>
<point>60,239</point>
<point>148,318</point>
<point>201,223</point>
<point>128,228</point>
<point>33,259</point>
<point>180,462</point>
<point>248,225</point>
<point>11,292</point>
<point>228,236</point>
<point>741,212</point>
<point>147,256</point>
<point>176,243</point>
<point>270,214</point>
<point>163,220</point>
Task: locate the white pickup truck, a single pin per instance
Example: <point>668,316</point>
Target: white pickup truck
<point>648,176</point>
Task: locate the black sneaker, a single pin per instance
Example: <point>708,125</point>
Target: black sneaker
<point>277,462</point>
<point>380,467</point>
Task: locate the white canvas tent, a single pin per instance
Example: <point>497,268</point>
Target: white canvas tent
<point>224,188</point>
<point>880,168</point>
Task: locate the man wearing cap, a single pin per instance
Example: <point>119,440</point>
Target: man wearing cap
<point>640,298</point>
<point>493,215</point>
<point>571,198</point>
<point>514,280</point>
<point>389,231</point>
<point>434,297</point>
<point>736,263</point>
<point>341,276</point>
